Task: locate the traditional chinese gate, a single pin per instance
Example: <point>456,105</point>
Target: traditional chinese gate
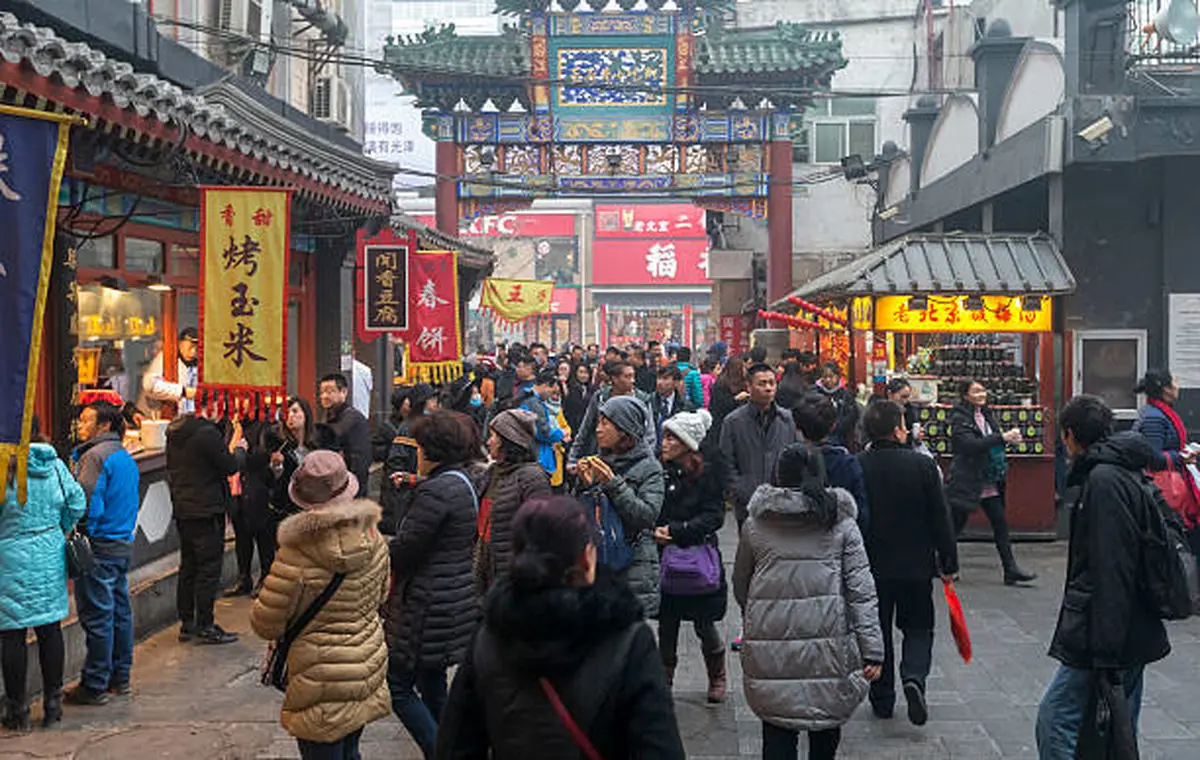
<point>661,102</point>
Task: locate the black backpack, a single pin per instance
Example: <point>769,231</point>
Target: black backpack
<point>1170,576</point>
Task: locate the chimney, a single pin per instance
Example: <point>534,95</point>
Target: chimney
<point>995,57</point>
<point>920,120</point>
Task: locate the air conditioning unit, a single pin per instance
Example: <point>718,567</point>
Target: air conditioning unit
<point>242,17</point>
<point>332,102</point>
<point>243,23</point>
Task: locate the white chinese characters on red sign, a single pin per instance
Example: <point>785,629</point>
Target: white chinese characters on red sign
<point>650,262</point>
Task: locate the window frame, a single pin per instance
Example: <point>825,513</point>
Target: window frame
<point>807,136</point>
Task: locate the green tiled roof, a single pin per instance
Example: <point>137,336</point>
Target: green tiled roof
<point>785,48</point>
<point>439,54</point>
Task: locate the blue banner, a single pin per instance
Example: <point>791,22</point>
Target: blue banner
<point>32,153</point>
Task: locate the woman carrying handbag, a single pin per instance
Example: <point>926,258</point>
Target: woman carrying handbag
<point>1163,429</point>
<point>692,575</point>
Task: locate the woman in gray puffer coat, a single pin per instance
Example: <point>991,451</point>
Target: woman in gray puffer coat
<point>630,475</point>
<point>812,640</point>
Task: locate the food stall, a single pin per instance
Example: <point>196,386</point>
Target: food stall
<point>941,310</point>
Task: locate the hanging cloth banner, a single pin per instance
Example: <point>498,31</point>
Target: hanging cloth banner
<point>433,349</point>
<point>243,296</point>
<point>33,151</point>
<point>511,301</point>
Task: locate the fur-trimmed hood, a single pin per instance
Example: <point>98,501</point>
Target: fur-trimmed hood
<point>335,536</point>
<point>791,502</point>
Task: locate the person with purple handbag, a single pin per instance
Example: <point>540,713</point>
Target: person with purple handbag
<point>691,574</point>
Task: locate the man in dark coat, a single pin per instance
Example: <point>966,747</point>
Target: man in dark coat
<point>668,400</point>
<point>199,463</point>
<point>1105,631</point>
<point>752,437</point>
<point>909,541</point>
<point>351,431</point>
<point>815,418</point>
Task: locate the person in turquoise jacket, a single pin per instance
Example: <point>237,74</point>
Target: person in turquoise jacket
<point>692,384</point>
<point>33,587</point>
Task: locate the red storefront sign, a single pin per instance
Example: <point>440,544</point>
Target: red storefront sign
<point>564,302</point>
<point>513,225</point>
<point>666,261</point>
<point>676,220</point>
<point>735,331</point>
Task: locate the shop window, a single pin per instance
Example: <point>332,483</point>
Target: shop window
<point>98,253</point>
<point>185,261</point>
<point>834,128</point>
<point>126,325</point>
<point>1108,364</point>
<point>143,255</point>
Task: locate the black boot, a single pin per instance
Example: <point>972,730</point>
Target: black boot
<point>52,708</point>
<point>1014,575</point>
<point>16,715</point>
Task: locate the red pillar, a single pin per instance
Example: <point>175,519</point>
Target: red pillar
<point>779,220</point>
<point>446,188</point>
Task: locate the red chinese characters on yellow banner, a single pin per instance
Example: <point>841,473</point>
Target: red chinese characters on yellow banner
<point>243,288</point>
<point>949,314</point>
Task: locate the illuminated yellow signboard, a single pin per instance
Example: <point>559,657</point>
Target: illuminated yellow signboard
<point>949,314</point>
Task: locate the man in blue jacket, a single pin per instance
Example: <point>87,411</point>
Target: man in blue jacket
<point>548,432</point>
<point>110,479</point>
<point>693,387</point>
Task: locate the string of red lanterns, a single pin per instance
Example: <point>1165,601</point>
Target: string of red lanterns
<point>822,313</point>
<point>789,320</point>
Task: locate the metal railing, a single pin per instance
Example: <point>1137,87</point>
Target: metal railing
<point>1148,48</point>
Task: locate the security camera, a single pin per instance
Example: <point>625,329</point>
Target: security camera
<point>1097,130</point>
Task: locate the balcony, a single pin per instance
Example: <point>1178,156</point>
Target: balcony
<point>1148,49</point>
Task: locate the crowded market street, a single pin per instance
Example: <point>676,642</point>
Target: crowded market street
<point>206,702</point>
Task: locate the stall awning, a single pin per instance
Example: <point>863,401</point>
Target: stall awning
<point>949,264</point>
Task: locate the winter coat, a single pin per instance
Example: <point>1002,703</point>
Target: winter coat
<point>693,389</point>
<point>909,536</point>
<point>546,433</point>
<point>583,442</point>
<point>110,480</point>
<point>843,470</point>
<point>721,405</point>
<point>508,487</point>
<point>281,501</point>
<point>1103,622</point>
<point>33,545</point>
<point>602,660</point>
<point>636,492</point>
<point>971,450</point>
<point>352,435</point>
<point>845,430</point>
<point>751,441</point>
<point>401,457</point>
<point>694,511</point>
<point>198,468</point>
<point>811,621</point>
<point>1153,425</point>
<point>575,404</point>
<point>432,609</point>
<point>381,446</point>
<point>337,667</point>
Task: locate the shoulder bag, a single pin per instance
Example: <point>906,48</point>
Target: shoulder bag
<point>80,558</point>
<point>564,715</point>
<point>274,670</point>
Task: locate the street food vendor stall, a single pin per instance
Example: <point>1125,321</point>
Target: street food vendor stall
<point>941,310</point>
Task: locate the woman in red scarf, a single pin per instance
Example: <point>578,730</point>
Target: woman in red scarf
<point>1161,426</point>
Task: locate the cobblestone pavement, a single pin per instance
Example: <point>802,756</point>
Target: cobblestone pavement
<point>205,702</point>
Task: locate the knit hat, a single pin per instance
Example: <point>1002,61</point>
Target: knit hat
<point>322,480</point>
<point>628,414</point>
<point>517,426</point>
<point>689,427</point>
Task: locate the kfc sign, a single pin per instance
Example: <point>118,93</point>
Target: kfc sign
<point>667,261</point>
<point>564,302</point>
<point>652,220</point>
<point>512,225</point>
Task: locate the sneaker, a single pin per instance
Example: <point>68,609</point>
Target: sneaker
<point>1017,576</point>
<point>82,695</point>
<point>187,632</point>
<point>215,634</point>
<point>918,711</point>
<point>120,688</point>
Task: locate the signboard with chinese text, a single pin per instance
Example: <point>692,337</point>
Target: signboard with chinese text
<point>512,225</point>
<point>382,293</point>
<point>735,332</point>
<point>650,262</point>
<point>243,288</point>
<point>949,314</point>
<point>675,220</point>
<point>861,312</point>
<point>514,300</point>
<point>564,301</point>
<point>433,351</point>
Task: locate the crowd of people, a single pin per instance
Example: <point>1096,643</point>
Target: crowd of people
<point>536,512</point>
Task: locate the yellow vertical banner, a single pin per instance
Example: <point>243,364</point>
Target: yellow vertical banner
<point>243,289</point>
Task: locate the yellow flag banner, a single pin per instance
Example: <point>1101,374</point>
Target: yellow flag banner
<point>514,300</point>
<point>243,295</point>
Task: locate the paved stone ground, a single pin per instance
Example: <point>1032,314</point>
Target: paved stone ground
<point>197,702</point>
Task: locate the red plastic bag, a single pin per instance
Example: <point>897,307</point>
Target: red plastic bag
<point>958,622</point>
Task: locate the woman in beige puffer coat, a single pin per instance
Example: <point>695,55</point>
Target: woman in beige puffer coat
<point>812,640</point>
<point>337,667</point>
